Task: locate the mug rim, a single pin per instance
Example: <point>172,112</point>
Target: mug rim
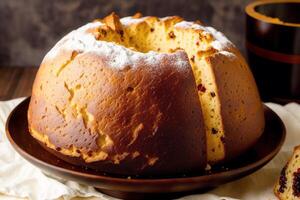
<point>250,10</point>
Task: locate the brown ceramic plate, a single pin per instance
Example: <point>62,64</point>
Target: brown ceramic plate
<point>135,188</point>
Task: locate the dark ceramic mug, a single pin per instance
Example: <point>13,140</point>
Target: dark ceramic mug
<point>273,47</point>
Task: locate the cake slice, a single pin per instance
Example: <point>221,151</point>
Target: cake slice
<point>288,185</point>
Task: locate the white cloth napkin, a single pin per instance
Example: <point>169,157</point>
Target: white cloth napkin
<point>21,179</point>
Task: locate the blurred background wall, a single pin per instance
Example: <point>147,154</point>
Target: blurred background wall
<point>29,28</point>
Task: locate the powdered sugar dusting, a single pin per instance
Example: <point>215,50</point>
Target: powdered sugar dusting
<point>82,41</point>
<point>117,56</point>
<point>228,54</point>
<point>181,62</point>
<point>67,41</point>
<point>220,41</point>
<point>166,18</point>
<point>126,21</point>
<point>186,24</point>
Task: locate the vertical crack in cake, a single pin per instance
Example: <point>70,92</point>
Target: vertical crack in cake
<point>145,95</point>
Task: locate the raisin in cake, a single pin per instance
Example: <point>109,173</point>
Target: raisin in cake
<point>288,184</point>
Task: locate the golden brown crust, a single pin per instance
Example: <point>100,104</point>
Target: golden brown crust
<point>241,107</point>
<point>113,21</point>
<point>150,130</point>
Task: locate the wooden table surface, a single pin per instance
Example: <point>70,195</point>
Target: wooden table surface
<point>16,81</point>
